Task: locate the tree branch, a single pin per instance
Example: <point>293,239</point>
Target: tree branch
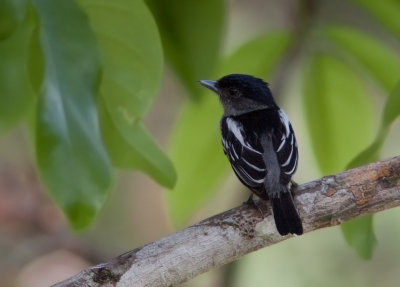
<point>234,233</point>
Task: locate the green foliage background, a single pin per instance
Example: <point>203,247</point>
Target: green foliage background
<point>82,74</point>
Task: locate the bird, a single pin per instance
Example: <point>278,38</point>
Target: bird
<point>260,143</point>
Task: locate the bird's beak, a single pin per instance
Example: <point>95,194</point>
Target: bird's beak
<point>212,85</point>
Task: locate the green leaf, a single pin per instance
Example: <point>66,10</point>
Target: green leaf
<point>11,13</point>
<point>338,133</point>
<point>390,113</point>
<point>71,158</point>
<point>386,11</point>
<point>131,49</point>
<point>130,146</point>
<point>197,154</point>
<point>132,54</point>
<point>15,91</point>
<point>259,56</point>
<point>381,62</point>
<point>360,236</point>
<point>191,33</point>
<point>196,147</point>
<point>370,154</point>
<point>392,107</point>
<point>35,59</point>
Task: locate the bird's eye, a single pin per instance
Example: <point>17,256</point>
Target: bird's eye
<point>234,93</point>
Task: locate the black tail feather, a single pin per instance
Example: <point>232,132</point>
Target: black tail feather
<point>287,219</point>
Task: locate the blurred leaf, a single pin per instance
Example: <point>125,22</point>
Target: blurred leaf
<point>35,59</point>
<point>72,160</point>
<point>360,236</point>
<point>390,113</point>
<point>191,32</point>
<point>386,11</point>
<point>132,54</point>
<point>130,146</point>
<point>392,107</point>
<point>257,57</point>
<point>376,58</point>
<point>370,154</point>
<point>198,158</point>
<point>196,147</point>
<point>15,92</point>
<point>331,93</point>
<point>11,13</point>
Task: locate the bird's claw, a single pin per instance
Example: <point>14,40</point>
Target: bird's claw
<point>251,202</point>
<point>293,187</point>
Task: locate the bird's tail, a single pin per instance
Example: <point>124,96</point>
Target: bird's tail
<point>287,219</point>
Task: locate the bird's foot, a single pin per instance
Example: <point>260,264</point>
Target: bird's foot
<point>250,200</point>
<point>252,203</point>
<point>293,187</point>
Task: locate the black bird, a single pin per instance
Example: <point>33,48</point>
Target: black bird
<point>260,144</point>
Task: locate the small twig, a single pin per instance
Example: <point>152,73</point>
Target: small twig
<point>234,233</point>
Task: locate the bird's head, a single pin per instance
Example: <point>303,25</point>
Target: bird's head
<point>240,94</point>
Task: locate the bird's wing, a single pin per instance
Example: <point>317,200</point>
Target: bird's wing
<point>246,160</point>
<point>284,142</point>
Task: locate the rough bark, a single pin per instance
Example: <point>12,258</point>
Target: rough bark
<point>234,233</point>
